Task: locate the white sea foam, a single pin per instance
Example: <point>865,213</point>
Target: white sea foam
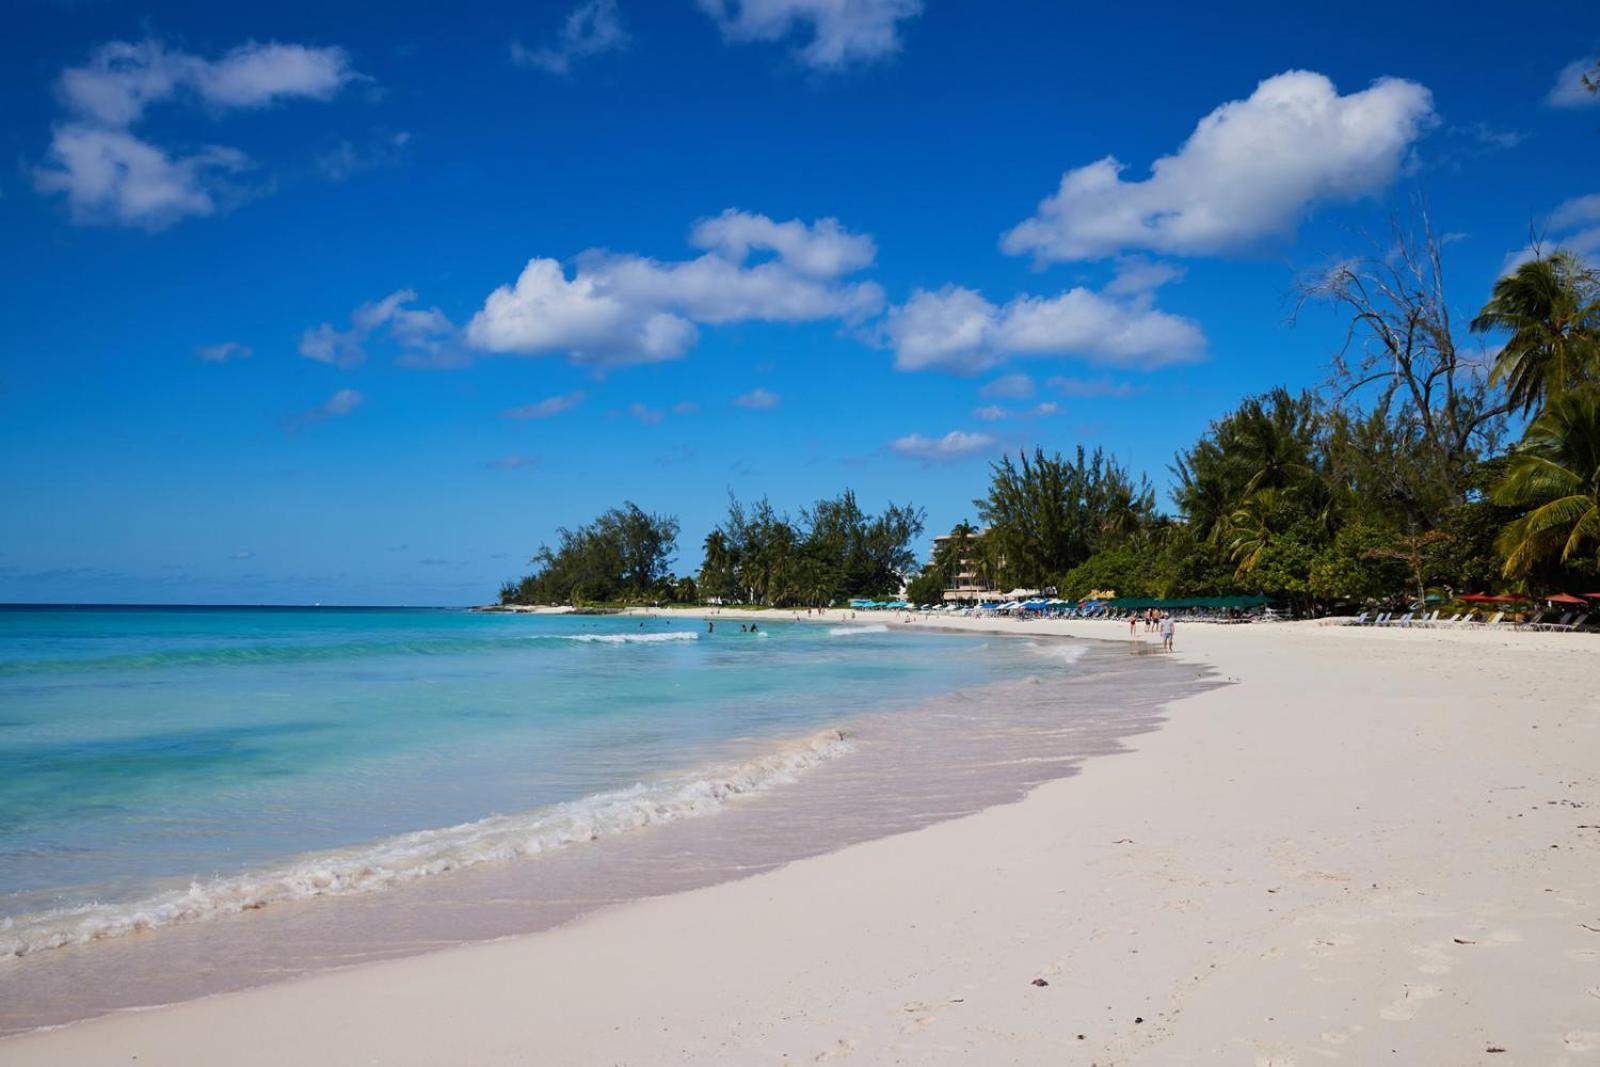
<point>630,639</point>
<point>1059,650</point>
<point>398,860</point>
<point>851,631</point>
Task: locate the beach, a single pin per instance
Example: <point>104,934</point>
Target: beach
<point>1365,845</point>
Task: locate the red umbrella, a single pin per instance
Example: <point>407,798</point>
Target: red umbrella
<point>1565,598</point>
<point>1591,596</point>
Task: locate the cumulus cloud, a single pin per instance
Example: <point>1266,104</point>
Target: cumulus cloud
<point>1008,387</point>
<point>1569,89</point>
<point>548,407</point>
<point>1250,170</point>
<point>956,329</point>
<point>842,31</point>
<point>425,334</point>
<point>111,176</point>
<point>590,29</point>
<point>953,446</point>
<point>757,398</point>
<point>225,352</point>
<point>618,309</point>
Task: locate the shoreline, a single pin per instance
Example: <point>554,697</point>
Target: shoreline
<point>1374,841</point>
<point>777,798</point>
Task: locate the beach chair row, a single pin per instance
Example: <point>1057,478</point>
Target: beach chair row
<point>1568,623</point>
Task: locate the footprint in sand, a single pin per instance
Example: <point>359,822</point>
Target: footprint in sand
<point>1328,944</point>
<point>1406,1007</point>
<point>838,1052</point>
<point>1582,1040</point>
<point>1432,958</point>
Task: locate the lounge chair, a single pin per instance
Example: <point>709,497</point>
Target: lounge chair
<point>1494,621</point>
<point>1533,621</point>
<point>1359,620</point>
<point>1567,624</point>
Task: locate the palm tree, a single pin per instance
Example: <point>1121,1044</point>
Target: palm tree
<point>1251,529</point>
<point>1554,472</point>
<point>1551,308</point>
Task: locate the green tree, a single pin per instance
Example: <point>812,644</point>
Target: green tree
<point>1047,514</point>
<point>927,587</point>
<point>1549,308</point>
<point>1554,475</point>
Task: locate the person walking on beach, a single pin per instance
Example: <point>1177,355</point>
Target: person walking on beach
<point>1166,632</point>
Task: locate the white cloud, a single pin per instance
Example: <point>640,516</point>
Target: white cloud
<point>618,309</point>
<point>996,413</point>
<point>1569,90</point>
<point>1136,274</point>
<point>757,398</point>
<point>1091,387</point>
<point>111,176</point>
<point>590,29</point>
<point>1251,169</point>
<point>124,78</point>
<point>256,75</point>
<point>645,413</point>
<point>842,31</point>
<point>549,406</point>
<point>824,249</point>
<point>341,403</point>
<point>427,336</point>
<point>1579,211</point>
<point>222,353</point>
<point>953,446</point>
<point>1574,225</point>
<point>1008,387</point>
<point>346,159</point>
<point>957,330</point>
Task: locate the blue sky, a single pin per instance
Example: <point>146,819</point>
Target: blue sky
<point>304,305</point>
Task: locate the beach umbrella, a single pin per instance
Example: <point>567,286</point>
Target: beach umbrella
<point>1565,598</point>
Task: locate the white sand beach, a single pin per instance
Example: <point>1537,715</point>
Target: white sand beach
<point>1371,846</point>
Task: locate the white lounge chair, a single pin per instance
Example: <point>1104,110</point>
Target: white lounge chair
<point>1567,624</point>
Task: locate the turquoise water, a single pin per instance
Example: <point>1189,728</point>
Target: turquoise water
<point>157,763</point>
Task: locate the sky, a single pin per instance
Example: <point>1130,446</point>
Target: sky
<point>306,304</point>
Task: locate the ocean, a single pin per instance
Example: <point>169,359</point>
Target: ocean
<point>176,782</point>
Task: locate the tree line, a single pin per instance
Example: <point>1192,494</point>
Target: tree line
<point>1429,461</point>
<point>1402,476</point>
<point>831,551</point>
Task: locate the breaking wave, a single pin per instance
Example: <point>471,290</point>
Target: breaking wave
<point>623,639</point>
<point>850,631</point>
<point>408,857</point>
